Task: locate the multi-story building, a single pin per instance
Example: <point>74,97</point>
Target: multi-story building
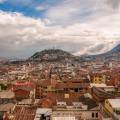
<point>77,111</point>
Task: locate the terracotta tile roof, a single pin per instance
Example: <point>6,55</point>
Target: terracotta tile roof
<point>45,83</point>
<point>7,94</point>
<point>72,85</point>
<point>24,113</point>
<point>6,107</point>
<point>88,101</point>
<point>73,97</point>
<point>45,103</point>
<point>25,86</point>
<point>69,84</point>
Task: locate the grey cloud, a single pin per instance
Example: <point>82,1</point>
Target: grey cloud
<point>69,12</point>
<point>97,48</point>
<point>21,36</point>
<point>115,4</point>
<point>8,49</point>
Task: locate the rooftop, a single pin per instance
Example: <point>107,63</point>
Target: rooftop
<point>115,103</point>
<point>6,107</point>
<point>7,94</point>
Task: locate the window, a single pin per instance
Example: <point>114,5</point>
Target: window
<point>66,89</point>
<point>76,89</point>
<point>92,115</point>
<point>96,115</point>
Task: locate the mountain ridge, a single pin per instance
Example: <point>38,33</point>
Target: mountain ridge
<point>113,54</point>
<point>52,55</point>
<point>116,49</point>
<point>58,55</point>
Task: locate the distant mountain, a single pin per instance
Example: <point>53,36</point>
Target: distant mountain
<point>116,49</point>
<point>58,55</point>
<point>113,54</point>
<point>53,55</point>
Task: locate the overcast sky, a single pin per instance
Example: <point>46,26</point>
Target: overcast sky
<point>78,26</point>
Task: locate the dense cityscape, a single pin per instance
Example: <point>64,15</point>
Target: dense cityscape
<point>59,59</point>
<point>56,85</point>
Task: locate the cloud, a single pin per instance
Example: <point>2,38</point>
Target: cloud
<point>69,12</point>
<point>40,8</point>
<point>21,36</point>
<point>2,1</point>
<point>115,4</point>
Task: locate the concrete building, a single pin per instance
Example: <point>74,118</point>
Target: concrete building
<point>113,107</point>
<point>77,111</point>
